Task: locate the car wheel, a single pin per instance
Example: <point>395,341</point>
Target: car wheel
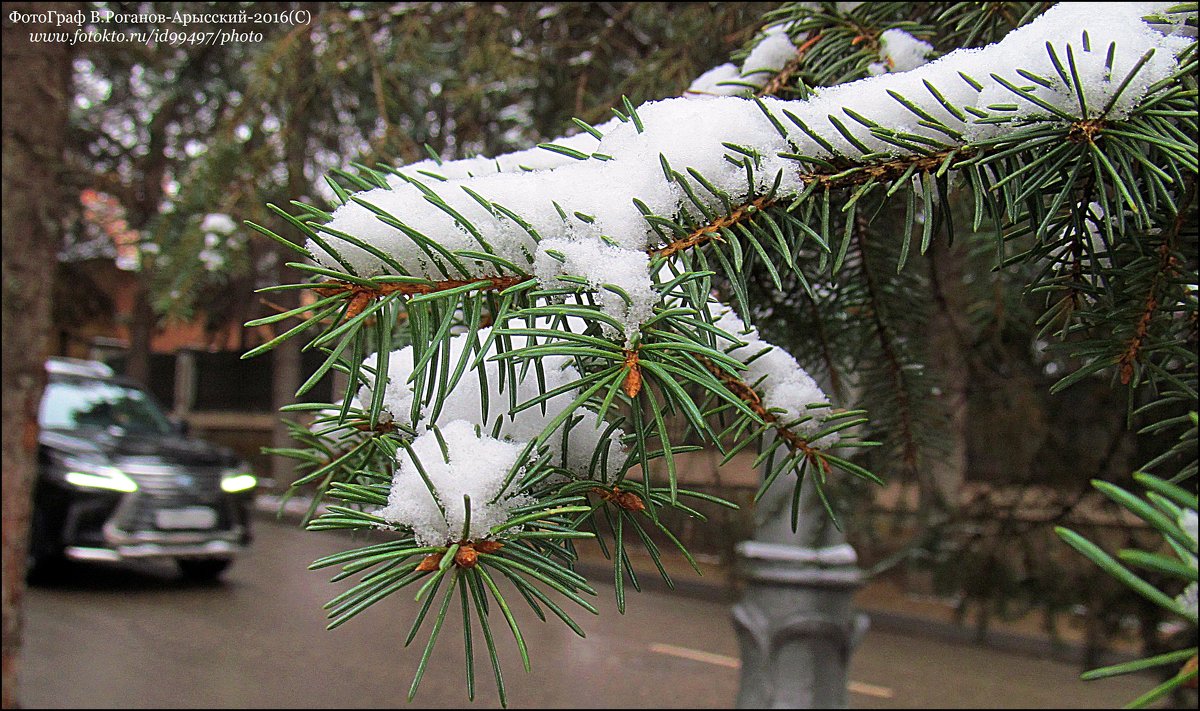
<point>42,568</point>
<point>46,561</point>
<point>202,569</point>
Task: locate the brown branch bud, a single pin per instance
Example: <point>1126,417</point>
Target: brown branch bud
<point>624,499</point>
<point>633,375</point>
<point>431,562</point>
<point>467,555</point>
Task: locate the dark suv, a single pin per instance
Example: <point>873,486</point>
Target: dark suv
<point>118,480</point>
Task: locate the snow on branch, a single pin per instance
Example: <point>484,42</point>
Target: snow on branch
<point>677,158</point>
<point>900,52</point>
<point>439,470</point>
<point>790,398</point>
<point>771,53</point>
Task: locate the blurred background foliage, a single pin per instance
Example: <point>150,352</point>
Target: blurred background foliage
<point>175,133</point>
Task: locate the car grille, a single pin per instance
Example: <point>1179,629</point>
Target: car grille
<point>173,487</point>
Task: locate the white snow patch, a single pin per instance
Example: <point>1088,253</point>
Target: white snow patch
<point>900,52</point>
<point>782,384</point>
<point>473,465</point>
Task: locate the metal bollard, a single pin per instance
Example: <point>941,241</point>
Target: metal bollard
<point>795,621</point>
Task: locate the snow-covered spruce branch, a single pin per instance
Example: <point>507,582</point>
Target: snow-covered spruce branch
<point>784,376</point>
<point>600,217</point>
<point>557,302</point>
<point>645,173</point>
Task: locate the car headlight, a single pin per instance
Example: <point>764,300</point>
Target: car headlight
<point>95,475</point>
<point>235,480</point>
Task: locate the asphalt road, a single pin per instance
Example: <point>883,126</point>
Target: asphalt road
<point>139,637</point>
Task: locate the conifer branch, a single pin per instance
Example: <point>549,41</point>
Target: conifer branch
<point>712,230</point>
<point>835,378</point>
<point>496,407</point>
<point>753,400</point>
<point>1167,269</point>
<point>361,295</point>
<point>847,174</point>
<point>909,458</point>
<point>1133,349</point>
<point>783,78</point>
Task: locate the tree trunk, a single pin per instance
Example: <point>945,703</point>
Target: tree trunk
<point>141,330</point>
<point>948,335</point>
<point>36,96</point>
<point>143,202</point>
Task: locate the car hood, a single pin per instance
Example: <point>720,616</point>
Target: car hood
<point>159,449</point>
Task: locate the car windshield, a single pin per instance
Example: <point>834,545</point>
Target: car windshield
<point>81,403</point>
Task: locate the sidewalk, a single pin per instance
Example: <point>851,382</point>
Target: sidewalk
<point>889,607</point>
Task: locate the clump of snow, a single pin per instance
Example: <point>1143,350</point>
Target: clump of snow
<point>721,80</point>
<point>398,394</point>
<point>1189,600</point>
<point>218,222</point>
<point>1063,28</point>
<point>964,78</point>
<point>466,401</point>
<point>217,228</point>
<point>517,161</point>
<point>210,257</point>
<point>605,265</point>
<point>1188,522</point>
<point>772,51</point>
<point>473,465</point>
<point>575,208</point>
<point>785,387</point>
<point>900,52</point>
<point>770,54</point>
<point>711,122</point>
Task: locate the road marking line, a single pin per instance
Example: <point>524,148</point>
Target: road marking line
<point>879,692</point>
<point>696,655</point>
<point>722,660</point>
